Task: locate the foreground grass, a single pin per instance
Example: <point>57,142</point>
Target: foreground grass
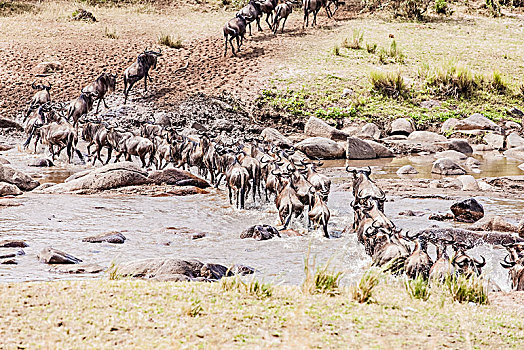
<point>141,314</point>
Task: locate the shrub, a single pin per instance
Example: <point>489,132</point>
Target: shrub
<point>467,289</point>
<point>363,291</point>
<point>323,281</point>
<point>412,9</point>
<point>388,84</point>
<point>498,84</point>
<point>441,7</point>
<point>454,81</point>
<point>253,287</point>
<point>336,50</point>
<point>165,39</point>
<point>194,309</point>
<point>371,48</point>
<point>356,42</point>
<point>521,90</point>
<point>11,8</point>
<point>418,288</point>
<point>110,34</point>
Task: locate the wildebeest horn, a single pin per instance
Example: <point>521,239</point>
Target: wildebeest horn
<point>480,264</point>
<point>48,87</point>
<point>33,85</point>
<point>507,264</point>
<point>350,171</point>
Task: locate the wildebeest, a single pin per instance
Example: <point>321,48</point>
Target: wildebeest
<point>311,6</point>
<point>96,133</point>
<point>140,70</point>
<point>235,29</point>
<point>514,262</point>
<point>251,12</point>
<point>41,97</point>
<point>105,83</point>
<point>237,182</point>
<point>267,7</point>
<point>320,214</point>
<point>81,106</point>
<point>60,135</point>
<point>288,203</point>
<point>418,263</point>
<point>282,11</point>
<point>131,145</point>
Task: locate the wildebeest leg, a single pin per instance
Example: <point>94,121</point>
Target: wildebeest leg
<point>267,21</point>
<point>145,83</point>
<point>225,51</point>
<point>220,176</point>
<point>98,105</point>
<point>283,24</point>
<point>109,151</point>
<point>306,19</point>
<point>230,195</point>
<point>232,47</point>
<point>315,18</point>
<point>249,25</point>
<point>258,24</point>
<point>238,43</point>
<point>143,160</point>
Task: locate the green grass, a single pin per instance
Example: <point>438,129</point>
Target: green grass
<point>141,314</point>
<point>389,84</point>
<point>418,288</point>
<point>363,291</point>
<point>467,289</point>
<point>252,287</point>
<point>11,8</point>
<point>320,280</point>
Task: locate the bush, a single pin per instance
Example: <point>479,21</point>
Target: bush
<point>467,289</point>
<point>498,84</point>
<point>418,288</point>
<point>336,50</point>
<point>165,39</point>
<point>412,9</point>
<point>441,7</point>
<point>323,281</point>
<point>356,42</point>
<point>253,287</point>
<point>363,291</point>
<point>454,81</point>
<point>388,84</point>
<point>371,48</point>
<point>11,8</point>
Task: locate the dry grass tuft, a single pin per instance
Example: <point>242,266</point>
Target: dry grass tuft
<point>323,281</point>
<point>253,287</point>
<point>389,84</point>
<point>467,289</point>
<point>418,288</point>
<point>363,291</point>
<point>11,8</point>
<point>167,40</point>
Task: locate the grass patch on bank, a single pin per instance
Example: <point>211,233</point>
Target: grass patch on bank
<point>135,313</point>
<point>11,8</point>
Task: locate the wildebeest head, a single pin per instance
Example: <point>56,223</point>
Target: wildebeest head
<point>109,80</point>
<point>41,86</point>
<point>467,265</point>
<point>363,186</point>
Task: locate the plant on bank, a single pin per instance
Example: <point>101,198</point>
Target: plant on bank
<point>167,40</point>
<point>467,289</point>
<point>418,288</point>
<point>363,291</point>
<point>390,84</point>
<point>322,281</point>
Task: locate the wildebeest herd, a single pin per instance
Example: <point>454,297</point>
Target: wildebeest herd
<point>253,166</point>
<point>235,29</point>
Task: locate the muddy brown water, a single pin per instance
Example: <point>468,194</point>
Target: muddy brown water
<point>61,221</point>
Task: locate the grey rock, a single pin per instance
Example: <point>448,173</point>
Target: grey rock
<point>359,149</point>
<point>13,244</point>
<point>11,253</point>
<point>7,189</point>
<point>318,128</point>
<point>276,138</point>
<point>17,178</point>
<point>469,210</point>
<point>512,125</point>
<point>177,177</point>
<point>468,183</point>
<point>402,126</point>
<point>426,137</point>
<point>495,141</point>
<point>6,123</point>
<point>4,161</point>
<point>406,169</point>
<point>460,145</point>
<point>514,140</point>
<point>472,162</point>
<point>109,237</point>
<point>516,112</point>
<point>515,153</point>
<point>454,155</point>
<point>446,166</point>
<point>370,131</point>
<point>50,255</point>
<point>478,121</point>
<point>449,125</point>
<point>381,150</point>
<point>79,269</point>
<point>321,148</point>
<point>42,163</point>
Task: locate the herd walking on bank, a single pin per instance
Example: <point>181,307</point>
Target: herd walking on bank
<point>252,168</point>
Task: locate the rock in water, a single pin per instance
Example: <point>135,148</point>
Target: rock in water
<point>468,210</point>
<point>358,149</point>
<point>177,177</point>
<point>17,178</point>
<point>321,148</point>
<point>53,256</point>
<point>260,232</point>
<point>110,237</point>
<point>446,166</point>
<point>406,169</point>
<point>275,137</point>
<point>7,189</point>
<point>13,244</point>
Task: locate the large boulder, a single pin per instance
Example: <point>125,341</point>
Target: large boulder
<point>54,256</point>
<point>275,137</point>
<point>515,153</point>
<point>468,183</point>
<point>402,126</point>
<point>370,131</point>
<point>11,243</point>
<point>461,145</point>
<point>381,150</point>
<point>17,178</point>
<point>496,141</point>
<point>7,189</point>
<point>358,149</point>
<point>176,270</point>
<point>426,137</point>
<point>477,122</point>
<point>177,177</point>
<point>446,166</point>
<point>318,128</point>
<point>321,148</point>
<point>514,140</point>
<point>468,210</point>
<point>449,125</point>
<point>260,232</point>
<point>109,237</point>
<point>494,223</point>
<point>107,177</point>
